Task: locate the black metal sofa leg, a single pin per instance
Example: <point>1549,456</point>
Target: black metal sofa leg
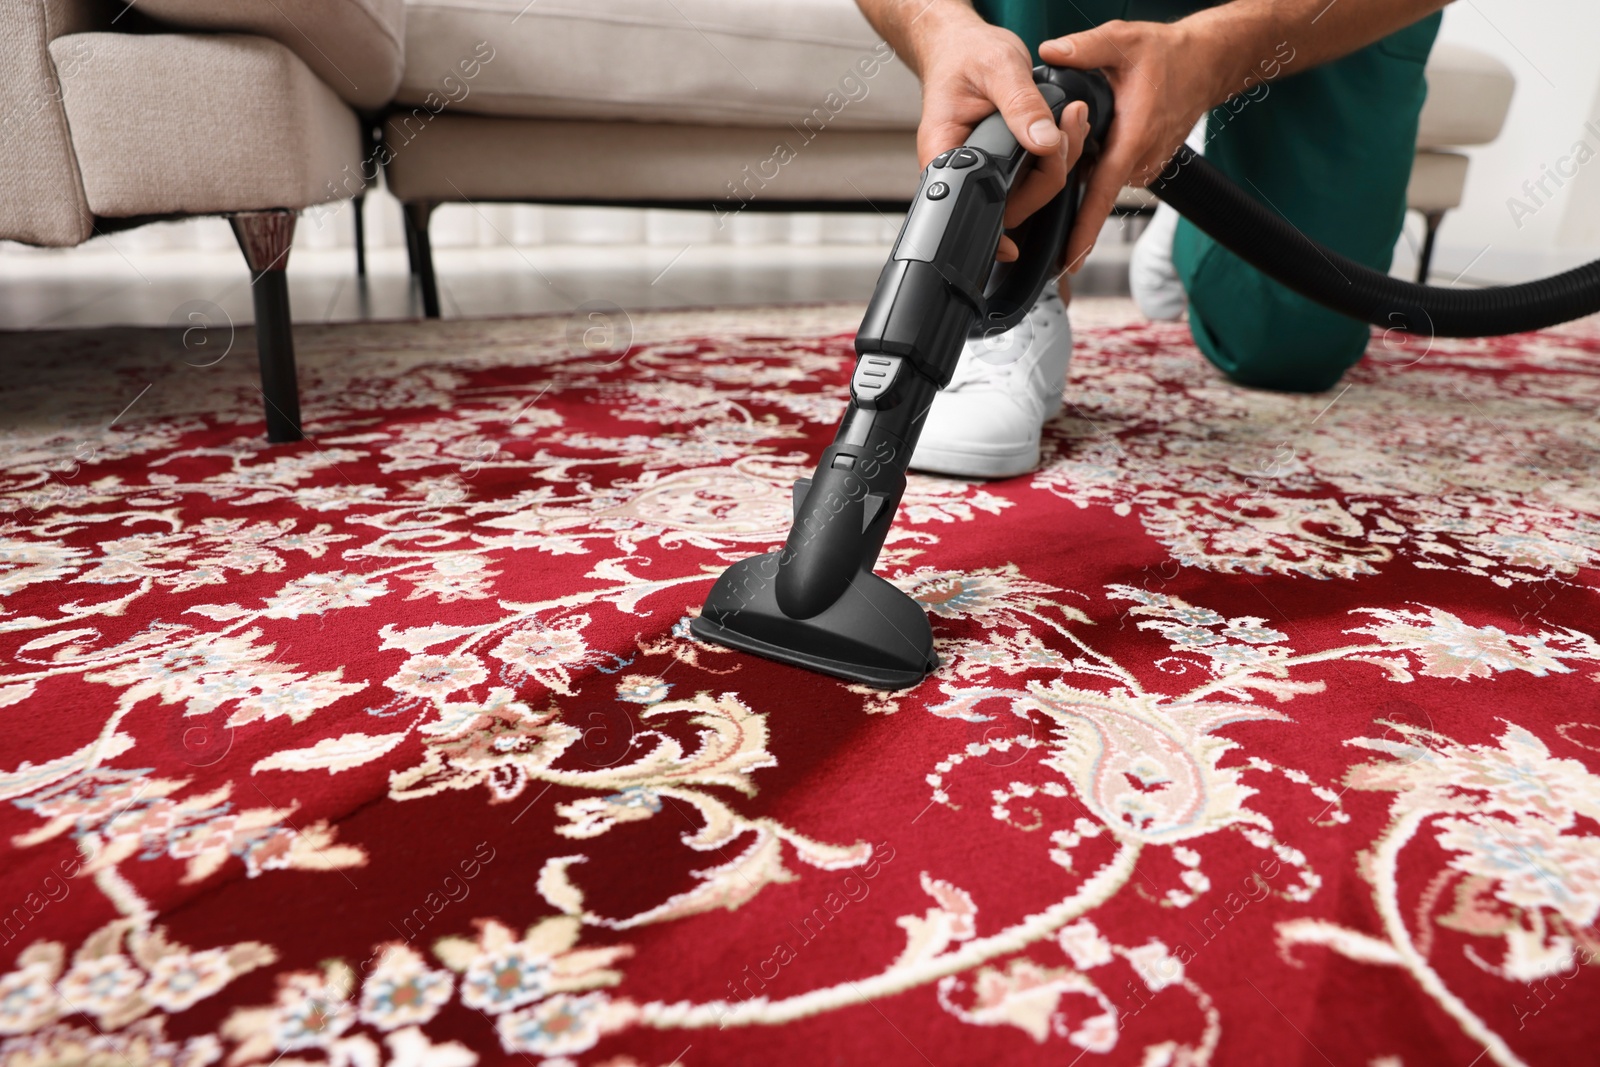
<point>264,237</point>
<point>1430,221</point>
<point>417,213</point>
<point>358,204</point>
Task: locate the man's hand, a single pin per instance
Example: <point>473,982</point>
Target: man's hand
<point>970,69</point>
<point>1163,80</point>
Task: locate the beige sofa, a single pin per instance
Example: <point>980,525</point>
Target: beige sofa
<point>728,107</point>
<point>246,109</point>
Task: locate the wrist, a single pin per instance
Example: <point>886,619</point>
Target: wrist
<point>935,23</point>
<point>1225,49</point>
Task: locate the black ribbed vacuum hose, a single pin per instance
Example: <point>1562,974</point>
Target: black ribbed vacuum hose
<point>1267,241</point>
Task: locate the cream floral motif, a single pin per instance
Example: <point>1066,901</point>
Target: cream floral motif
<point>129,968</point>
<point>541,990</point>
<point>529,985</point>
<point>180,981</point>
<point>206,674</point>
<point>1508,816</point>
<point>1448,648</point>
<point>179,663</point>
<point>402,990</point>
<point>312,1012</point>
<point>140,1044</point>
<point>122,972</point>
<point>117,815</point>
<point>504,745</point>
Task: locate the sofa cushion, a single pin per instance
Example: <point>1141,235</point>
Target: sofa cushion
<point>41,198</point>
<point>353,45</point>
<point>712,62</point>
<point>197,124</point>
<point>1469,93</point>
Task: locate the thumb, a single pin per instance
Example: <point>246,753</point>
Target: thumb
<point>1027,116</point>
<point>1084,51</point>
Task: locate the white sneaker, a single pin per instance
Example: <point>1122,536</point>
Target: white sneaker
<point>1152,278</point>
<point>986,422</point>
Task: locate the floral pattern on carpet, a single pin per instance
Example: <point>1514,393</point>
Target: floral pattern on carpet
<point>1267,730</point>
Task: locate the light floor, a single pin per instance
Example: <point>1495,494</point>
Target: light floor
<point>102,285</point>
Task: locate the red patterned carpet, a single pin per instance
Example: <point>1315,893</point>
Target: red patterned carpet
<point>1268,730</point>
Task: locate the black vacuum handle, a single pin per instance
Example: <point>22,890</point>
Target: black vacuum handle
<point>1014,287</point>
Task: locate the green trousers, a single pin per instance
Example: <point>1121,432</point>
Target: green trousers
<point>1329,148</point>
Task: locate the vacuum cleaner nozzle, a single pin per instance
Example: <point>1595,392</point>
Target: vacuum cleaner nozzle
<point>873,633</point>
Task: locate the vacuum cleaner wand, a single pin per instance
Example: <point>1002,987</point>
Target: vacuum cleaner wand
<point>816,602</point>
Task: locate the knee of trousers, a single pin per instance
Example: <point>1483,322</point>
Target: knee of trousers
<point>1263,335</point>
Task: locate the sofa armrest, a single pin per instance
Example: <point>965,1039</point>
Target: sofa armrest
<point>205,123</point>
<point>355,46</point>
<point>41,192</point>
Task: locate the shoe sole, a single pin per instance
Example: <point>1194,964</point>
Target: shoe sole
<point>967,464</point>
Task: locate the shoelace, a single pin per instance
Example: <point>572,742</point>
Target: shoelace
<point>975,370</point>
<point>979,371</point>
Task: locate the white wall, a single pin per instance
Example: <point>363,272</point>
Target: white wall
<point>1581,220</point>
<point>1553,48</point>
